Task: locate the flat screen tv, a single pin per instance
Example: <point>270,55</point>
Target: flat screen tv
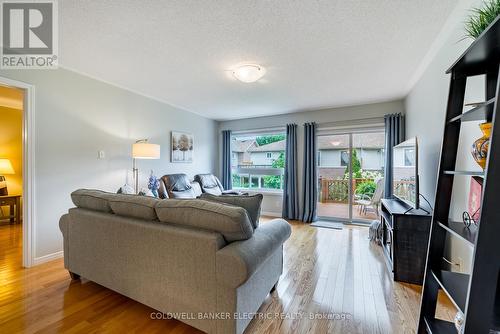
<point>405,172</point>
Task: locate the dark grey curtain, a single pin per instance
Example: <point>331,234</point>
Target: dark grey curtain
<point>226,160</point>
<point>310,182</point>
<point>394,134</point>
<point>290,191</point>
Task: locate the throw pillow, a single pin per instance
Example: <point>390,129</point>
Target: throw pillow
<point>146,192</point>
<point>250,203</point>
<point>126,189</point>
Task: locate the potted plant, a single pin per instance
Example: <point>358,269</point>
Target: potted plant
<point>481,18</point>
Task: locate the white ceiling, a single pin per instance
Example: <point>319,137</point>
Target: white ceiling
<point>318,53</point>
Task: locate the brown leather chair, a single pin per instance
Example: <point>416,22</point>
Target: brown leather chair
<point>210,184</point>
<point>178,186</point>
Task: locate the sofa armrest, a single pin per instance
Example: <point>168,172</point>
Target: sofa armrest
<point>239,260</point>
<point>64,227</point>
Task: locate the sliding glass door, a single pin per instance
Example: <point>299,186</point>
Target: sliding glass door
<point>333,176</point>
<point>350,172</point>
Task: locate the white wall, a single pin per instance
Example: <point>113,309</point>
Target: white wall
<point>425,113</point>
<point>75,117</point>
<point>342,117</point>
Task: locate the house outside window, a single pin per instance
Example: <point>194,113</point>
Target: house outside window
<point>409,156</point>
<point>259,162</point>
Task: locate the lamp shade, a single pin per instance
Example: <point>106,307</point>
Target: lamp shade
<point>145,150</point>
<point>6,167</point>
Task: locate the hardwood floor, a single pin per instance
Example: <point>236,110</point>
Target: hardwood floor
<point>327,273</point>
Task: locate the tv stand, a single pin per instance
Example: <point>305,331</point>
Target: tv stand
<point>405,235</point>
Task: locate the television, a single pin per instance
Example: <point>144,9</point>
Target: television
<point>405,172</point>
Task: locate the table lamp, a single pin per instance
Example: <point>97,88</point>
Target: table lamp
<point>5,168</point>
<point>143,150</point>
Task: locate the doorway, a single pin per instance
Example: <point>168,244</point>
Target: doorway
<point>350,169</point>
<point>11,175</point>
<point>25,213</point>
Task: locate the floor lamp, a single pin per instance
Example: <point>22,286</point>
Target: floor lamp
<point>143,150</point>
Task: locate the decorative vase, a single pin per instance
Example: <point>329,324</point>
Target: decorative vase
<point>481,146</point>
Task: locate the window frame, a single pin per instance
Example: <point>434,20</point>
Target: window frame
<point>342,164</point>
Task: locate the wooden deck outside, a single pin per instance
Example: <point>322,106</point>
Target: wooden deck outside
<point>341,210</point>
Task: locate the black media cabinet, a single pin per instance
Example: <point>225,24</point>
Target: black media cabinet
<point>405,239</point>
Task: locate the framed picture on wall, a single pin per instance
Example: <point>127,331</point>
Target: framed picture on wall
<point>182,147</point>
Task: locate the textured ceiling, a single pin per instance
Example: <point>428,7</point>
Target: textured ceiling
<point>318,54</point>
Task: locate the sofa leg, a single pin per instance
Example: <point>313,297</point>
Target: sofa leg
<point>274,287</point>
<point>74,276</point>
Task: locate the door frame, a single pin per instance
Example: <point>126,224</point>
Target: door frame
<point>349,131</point>
<point>29,207</point>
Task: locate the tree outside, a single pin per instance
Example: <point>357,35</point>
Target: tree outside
<point>274,181</point>
<point>264,140</point>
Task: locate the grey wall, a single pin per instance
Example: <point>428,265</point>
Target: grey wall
<point>425,113</point>
<point>75,117</point>
<point>336,117</point>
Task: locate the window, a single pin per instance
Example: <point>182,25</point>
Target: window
<point>318,159</point>
<point>261,161</point>
<point>344,158</point>
<point>233,155</point>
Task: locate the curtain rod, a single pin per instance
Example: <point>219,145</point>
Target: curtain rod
<point>354,124</point>
<point>361,122</point>
<point>259,130</point>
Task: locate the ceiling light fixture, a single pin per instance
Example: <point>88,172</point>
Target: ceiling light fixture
<point>249,72</point>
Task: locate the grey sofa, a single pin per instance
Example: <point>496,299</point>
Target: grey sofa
<point>181,257</point>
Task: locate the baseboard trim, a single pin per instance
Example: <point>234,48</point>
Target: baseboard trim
<point>48,257</point>
<point>271,214</point>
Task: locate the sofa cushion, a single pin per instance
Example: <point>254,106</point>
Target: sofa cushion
<point>196,189</point>
<point>209,183</point>
<point>185,194</point>
<point>250,203</point>
<point>213,191</point>
<point>176,182</point>
<point>206,180</point>
<point>135,206</point>
<point>230,221</point>
<point>96,200</point>
<point>178,186</point>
